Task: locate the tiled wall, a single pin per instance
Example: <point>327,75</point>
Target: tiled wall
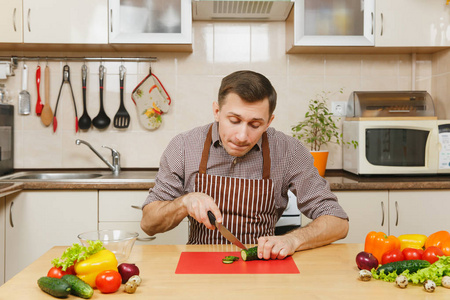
<point>192,80</point>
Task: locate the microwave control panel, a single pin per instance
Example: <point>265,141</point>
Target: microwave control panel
<point>444,149</point>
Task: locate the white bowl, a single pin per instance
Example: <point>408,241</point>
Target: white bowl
<point>120,242</point>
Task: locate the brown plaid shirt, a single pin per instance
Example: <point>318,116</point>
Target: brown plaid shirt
<point>291,169</point>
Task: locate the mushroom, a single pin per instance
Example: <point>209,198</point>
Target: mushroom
<point>365,275</point>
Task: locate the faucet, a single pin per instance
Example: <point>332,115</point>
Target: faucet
<point>115,166</point>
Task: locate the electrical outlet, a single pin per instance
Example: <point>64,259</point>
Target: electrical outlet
<point>338,108</point>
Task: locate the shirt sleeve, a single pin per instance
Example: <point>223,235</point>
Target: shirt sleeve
<point>169,183</point>
<point>314,196</point>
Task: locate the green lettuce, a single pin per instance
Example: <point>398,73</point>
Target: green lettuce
<point>77,252</point>
<point>434,272</point>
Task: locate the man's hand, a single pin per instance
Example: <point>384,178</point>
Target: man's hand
<point>322,231</point>
<point>276,247</point>
<point>198,205</point>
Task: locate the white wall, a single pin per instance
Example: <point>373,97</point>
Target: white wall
<point>192,80</point>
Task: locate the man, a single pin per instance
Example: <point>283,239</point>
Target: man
<point>241,170</point>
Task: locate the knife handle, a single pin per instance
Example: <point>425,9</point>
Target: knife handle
<point>212,218</point>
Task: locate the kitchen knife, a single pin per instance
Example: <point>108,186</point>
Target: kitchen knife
<point>225,232</point>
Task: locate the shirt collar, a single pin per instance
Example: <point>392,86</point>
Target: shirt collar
<point>216,139</point>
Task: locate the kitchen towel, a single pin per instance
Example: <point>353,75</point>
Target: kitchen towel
<point>211,263</point>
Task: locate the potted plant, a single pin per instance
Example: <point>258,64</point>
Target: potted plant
<point>318,129</point>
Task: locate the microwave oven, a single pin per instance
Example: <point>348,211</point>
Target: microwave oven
<point>390,147</point>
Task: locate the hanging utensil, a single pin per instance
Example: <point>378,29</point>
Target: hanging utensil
<point>122,117</point>
<point>47,114</point>
<point>24,96</point>
<point>85,121</point>
<point>101,121</point>
<point>39,104</point>
<point>66,79</point>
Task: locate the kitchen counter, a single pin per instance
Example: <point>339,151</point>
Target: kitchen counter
<point>143,180</point>
<point>327,272</point>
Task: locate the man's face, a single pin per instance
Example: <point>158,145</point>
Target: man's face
<point>241,124</point>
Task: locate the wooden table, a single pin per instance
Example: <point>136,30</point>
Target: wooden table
<point>328,272</point>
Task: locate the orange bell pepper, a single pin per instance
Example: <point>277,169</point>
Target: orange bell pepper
<point>437,238</point>
<point>445,247</point>
<point>378,243</point>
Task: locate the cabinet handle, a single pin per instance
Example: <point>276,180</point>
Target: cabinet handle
<point>14,19</point>
<point>28,19</point>
<point>111,17</point>
<point>382,213</point>
<point>372,22</point>
<point>136,207</point>
<point>382,24</point>
<point>10,214</point>
<point>396,213</point>
<point>147,239</point>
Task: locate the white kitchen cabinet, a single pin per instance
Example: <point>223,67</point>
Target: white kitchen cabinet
<point>333,23</point>
<point>422,212</point>
<point>65,22</point>
<point>11,21</point>
<point>150,22</point>
<point>122,210</point>
<point>2,240</point>
<point>39,220</point>
<point>367,211</point>
<point>412,23</point>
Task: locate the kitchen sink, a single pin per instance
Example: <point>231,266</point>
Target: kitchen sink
<point>80,176</point>
<point>55,176</point>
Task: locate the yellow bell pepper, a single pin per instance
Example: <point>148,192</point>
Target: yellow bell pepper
<point>88,269</point>
<point>416,241</point>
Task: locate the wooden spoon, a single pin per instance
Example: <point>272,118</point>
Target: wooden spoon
<point>47,113</point>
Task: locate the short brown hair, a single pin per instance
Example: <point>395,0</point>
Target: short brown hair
<point>250,87</point>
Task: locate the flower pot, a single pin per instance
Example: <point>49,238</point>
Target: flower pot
<point>320,161</point>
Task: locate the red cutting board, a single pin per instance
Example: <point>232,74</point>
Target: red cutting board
<point>211,263</point>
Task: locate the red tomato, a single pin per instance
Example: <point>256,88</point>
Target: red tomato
<point>56,272</point>
<point>108,281</point>
<point>411,253</point>
<point>431,254</point>
<point>391,256</point>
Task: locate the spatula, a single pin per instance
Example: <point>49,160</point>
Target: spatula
<point>24,96</point>
<point>122,117</point>
<point>47,113</point>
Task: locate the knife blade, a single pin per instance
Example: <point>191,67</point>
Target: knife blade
<point>225,232</point>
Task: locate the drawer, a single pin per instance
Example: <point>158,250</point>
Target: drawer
<point>117,205</point>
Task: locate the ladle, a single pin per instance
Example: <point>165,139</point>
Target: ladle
<point>85,121</point>
<point>101,121</point>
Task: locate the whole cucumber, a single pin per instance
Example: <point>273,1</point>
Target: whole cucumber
<point>78,287</point>
<point>54,286</point>
<point>400,266</point>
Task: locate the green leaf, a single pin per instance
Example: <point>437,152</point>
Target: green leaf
<point>77,252</point>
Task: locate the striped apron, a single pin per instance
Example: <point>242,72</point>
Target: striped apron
<point>247,205</point>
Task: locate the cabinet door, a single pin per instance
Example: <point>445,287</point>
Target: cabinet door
<point>11,21</point>
<point>412,23</point>
<point>121,210</point>
<point>65,22</point>
<point>2,240</point>
<point>334,23</point>
<point>422,212</point>
<point>39,220</point>
<point>177,236</point>
<point>367,211</point>
<point>150,22</point>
